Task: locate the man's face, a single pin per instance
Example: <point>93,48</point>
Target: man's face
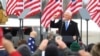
<point>67,16</point>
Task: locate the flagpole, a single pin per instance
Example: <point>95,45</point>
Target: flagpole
<point>62,16</point>
<point>87,30</point>
<point>81,29</point>
<point>41,35</point>
<point>21,28</point>
<point>21,18</point>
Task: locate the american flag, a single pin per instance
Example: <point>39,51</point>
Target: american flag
<point>34,5</point>
<point>31,44</point>
<point>52,7</point>
<point>93,8</point>
<point>74,6</point>
<point>14,7</point>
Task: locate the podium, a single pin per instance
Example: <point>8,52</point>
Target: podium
<point>67,39</point>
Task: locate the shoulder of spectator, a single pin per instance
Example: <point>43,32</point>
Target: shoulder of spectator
<point>24,50</point>
<point>37,52</point>
<point>68,52</point>
<point>22,46</point>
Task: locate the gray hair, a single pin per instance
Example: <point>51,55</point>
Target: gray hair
<point>68,11</point>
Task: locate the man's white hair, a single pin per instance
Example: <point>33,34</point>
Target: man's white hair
<point>68,11</point>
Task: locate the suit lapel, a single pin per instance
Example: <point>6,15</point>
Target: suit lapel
<point>69,25</point>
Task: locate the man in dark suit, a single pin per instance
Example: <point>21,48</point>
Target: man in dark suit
<point>66,26</point>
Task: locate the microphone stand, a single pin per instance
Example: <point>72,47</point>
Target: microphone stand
<point>61,26</point>
<point>21,34</point>
<point>87,31</point>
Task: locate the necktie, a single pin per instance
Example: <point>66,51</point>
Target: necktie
<point>66,25</point>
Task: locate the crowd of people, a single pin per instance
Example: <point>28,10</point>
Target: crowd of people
<point>51,46</point>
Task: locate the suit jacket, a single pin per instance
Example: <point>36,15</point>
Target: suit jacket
<point>71,30</point>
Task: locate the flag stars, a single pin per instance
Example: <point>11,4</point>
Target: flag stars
<point>30,38</point>
<point>32,47</point>
<point>33,42</point>
<point>29,43</point>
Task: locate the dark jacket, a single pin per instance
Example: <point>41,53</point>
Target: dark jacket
<point>71,31</point>
<point>66,52</point>
<point>24,50</point>
<point>3,53</point>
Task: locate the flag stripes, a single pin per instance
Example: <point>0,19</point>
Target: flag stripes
<point>52,7</point>
<point>16,7</point>
<point>74,6</point>
<point>34,5</point>
<point>93,8</point>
